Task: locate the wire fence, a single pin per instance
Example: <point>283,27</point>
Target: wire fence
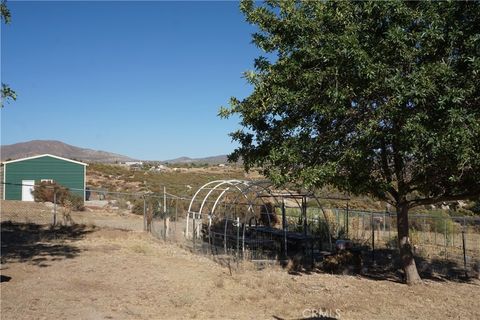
<point>53,208</point>
<point>443,244</point>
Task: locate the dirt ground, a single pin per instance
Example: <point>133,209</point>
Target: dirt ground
<point>42,214</point>
<point>82,272</point>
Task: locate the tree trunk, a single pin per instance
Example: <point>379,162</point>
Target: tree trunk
<point>406,252</point>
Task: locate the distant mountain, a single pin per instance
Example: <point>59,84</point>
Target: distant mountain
<point>209,160</point>
<point>58,148</point>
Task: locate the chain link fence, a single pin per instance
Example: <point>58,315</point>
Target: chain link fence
<point>442,243</point>
<point>101,208</point>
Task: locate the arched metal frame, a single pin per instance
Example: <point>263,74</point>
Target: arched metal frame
<point>218,183</point>
<point>245,190</point>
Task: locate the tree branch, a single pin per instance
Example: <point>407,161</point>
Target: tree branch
<point>386,169</point>
<point>433,200</point>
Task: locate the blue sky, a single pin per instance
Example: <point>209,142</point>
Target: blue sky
<point>144,79</point>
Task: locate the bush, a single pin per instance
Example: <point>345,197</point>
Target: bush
<point>268,216</point>
<point>344,262</point>
<point>435,221</point>
<point>45,192</point>
<point>392,243</point>
<point>474,207</point>
<point>75,200</point>
<point>137,207</point>
<point>53,192</point>
<point>153,206</point>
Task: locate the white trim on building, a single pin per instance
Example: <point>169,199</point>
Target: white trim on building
<point>44,155</point>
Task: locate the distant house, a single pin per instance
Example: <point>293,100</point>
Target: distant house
<point>160,168</point>
<point>134,163</point>
<point>21,175</point>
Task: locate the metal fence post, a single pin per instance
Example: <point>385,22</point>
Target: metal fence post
<point>373,239</point>
<point>210,233</point>
<point>54,208</point>
<point>464,247</point>
<point>145,222</point>
<point>363,224</point>
<point>425,227</point>
<point>284,227</point>
<point>348,236</point>
<point>389,225</point>
<point>453,237</point>
<point>445,236</point>
<point>384,222</point>
<point>176,218</point>
<point>238,235</point>
<point>358,224</point>
<point>304,215</point>
<point>225,236</point>
<point>165,222</point>
<point>194,231</point>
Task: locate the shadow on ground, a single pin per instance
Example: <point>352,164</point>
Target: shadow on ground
<point>385,265</point>
<point>38,245</point>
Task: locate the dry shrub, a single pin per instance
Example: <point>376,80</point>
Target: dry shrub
<point>141,248</point>
<point>344,262</point>
<point>245,266</point>
<point>137,207</point>
<point>45,192</point>
<point>184,300</point>
<point>74,201</point>
<point>333,226</point>
<point>53,192</point>
<point>268,216</point>
<point>295,264</point>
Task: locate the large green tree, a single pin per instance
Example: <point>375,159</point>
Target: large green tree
<point>378,98</point>
<point>7,92</point>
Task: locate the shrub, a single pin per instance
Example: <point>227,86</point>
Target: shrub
<point>474,207</point>
<point>344,262</point>
<point>153,206</point>
<point>443,223</point>
<point>435,221</point>
<point>268,216</point>
<point>76,201</point>
<point>322,229</point>
<point>392,243</point>
<point>122,203</point>
<point>53,192</point>
<point>45,192</point>
<point>137,207</point>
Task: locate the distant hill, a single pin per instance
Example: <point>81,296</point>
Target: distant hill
<point>58,148</point>
<point>209,160</point>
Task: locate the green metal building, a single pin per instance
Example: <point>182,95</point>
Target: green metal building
<point>21,175</point>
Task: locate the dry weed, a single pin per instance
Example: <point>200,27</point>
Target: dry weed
<point>141,248</point>
<point>182,301</point>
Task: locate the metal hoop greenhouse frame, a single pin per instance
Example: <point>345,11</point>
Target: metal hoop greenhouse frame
<point>254,194</point>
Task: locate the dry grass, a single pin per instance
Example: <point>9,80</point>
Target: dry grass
<point>129,275</point>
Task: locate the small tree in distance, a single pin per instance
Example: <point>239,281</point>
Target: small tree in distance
<point>6,92</point>
<point>378,98</point>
